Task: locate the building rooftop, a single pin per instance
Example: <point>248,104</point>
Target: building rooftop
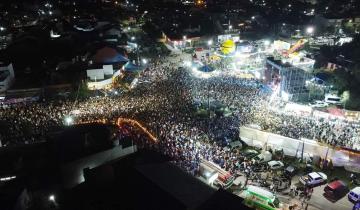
<point>146,180</point>
<point>279,62</point>
<point>4,75</point>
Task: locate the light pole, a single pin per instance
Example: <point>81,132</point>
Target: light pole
<point>144,61</point>
<point>137,54</point>
<point>68,120</point>
<point>184,40</point>
<point>209,111</point>
<point>310,30</point>
<point>345,97</point>
<point>52,200</point>
<point>209,43</point>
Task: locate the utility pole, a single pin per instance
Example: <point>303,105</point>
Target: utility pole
<point>137,54</point>
<point>302,150</point>
<point>209,113</point>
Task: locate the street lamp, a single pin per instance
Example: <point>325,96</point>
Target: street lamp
<point>132,38</point>
<point>52,198</point>
<point>345,97</point>
<point>253,18</point>
<point>144,61</point>
<point>209,43</point>
<point>68,120</point>
<point>310,30</point>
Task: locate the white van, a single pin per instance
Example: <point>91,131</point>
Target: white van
<point>263,157</point>
<point>259,198</point>
<point>354,195</point>
<point>332,99</point>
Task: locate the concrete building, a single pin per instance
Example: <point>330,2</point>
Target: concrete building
<point>7,76</point>
<point>101,78</point>
<point>288,80</point>
<point>146,180</point>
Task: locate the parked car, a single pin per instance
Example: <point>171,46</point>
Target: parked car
<point>275,165</point>
<point>235,145</point>
<point>313,178</point>
<point>308,168</point>
<point>290,171</point>
<point>332,99</point>
<point>319,104</point>
<point>250,153</point>
<point>335,190</point>
<point>263,157</point>
<point>354,195</point>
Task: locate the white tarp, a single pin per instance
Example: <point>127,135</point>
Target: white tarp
<point>293,147</point>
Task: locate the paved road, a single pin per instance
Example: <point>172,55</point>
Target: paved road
<point>318,200</point>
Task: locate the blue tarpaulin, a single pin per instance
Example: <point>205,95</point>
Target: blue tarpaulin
<point>206,69</point>
<point>116,59</point>
<point>109,55</point>
<point>265,89</point>
<point>130,67</point>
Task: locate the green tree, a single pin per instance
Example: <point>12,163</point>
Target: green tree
<point>340,80</point>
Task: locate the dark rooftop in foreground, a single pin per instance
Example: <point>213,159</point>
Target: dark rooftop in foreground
<point>279,62</point>
<point>146,180</point>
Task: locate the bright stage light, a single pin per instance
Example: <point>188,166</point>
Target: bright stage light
<point>68,120</point>
<point>310,30</point>
<point>52,198</point>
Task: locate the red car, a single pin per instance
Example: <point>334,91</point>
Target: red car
<point>335,190</point>
<point>199,49</point>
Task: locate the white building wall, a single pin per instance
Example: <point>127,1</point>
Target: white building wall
<point>7,82</point>
<point>108,69</point>
<point>95,74</point>
<point>294,147</point>
<point>102,84</point>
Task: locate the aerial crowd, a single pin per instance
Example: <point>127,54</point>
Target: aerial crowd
<point>167,100</point>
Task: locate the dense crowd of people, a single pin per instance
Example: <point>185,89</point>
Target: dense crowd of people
<point>166,100</point>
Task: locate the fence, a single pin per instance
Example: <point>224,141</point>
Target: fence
<point>297,148</point>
